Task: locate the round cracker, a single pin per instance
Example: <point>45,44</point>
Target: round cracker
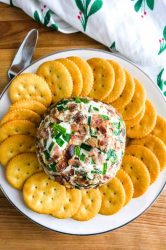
<point>33,105</point>
<point>104,78</point>
<point>21,114</point>
<point>127,184</point>
<point>20,168</point>
<point>120,80</point>
<point>71,204</point>
<point>136,119</point>
<point>138,173</point>
<point>113,197</point>
<point>58,78</point>
<point>90,205</point>
<point>146,124</point>
<point>87,74</point>
<point>136,104</point>
<point>156,145</point>
<point>22,127</point>
<point>43,195</point>
<point>160,128</point>
<point>127,93</point>
<point>147,157</point>
<point>14,145</point>
<point>30,86</point>
<point>75,74</point>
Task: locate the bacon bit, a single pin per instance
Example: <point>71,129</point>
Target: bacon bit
<point>75,126</point>
<point>69,152</point>
<point>72,106</point>
<point>103,142</point>
<point>74,162</point>
<point>61,165</point>
<point>78,117</point>
<point>56,151</point>
<point>92,142</point>
<point>76,139</point>
<point>96,121</point>
<point>102,129</point>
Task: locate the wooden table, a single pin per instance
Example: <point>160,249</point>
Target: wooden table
<point>16,231</point>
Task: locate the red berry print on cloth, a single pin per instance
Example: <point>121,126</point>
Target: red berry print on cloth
<point>142,5</point>
<point>161,82</point>
<point>86,9</point>
<point>44,17</point>
<point>162,42</point>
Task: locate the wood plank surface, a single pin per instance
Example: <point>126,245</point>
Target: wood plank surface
<point>17,232</point>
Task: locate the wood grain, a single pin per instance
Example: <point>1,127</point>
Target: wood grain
<point>17,232</point>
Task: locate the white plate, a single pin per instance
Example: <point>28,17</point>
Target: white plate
<point>100,223</point>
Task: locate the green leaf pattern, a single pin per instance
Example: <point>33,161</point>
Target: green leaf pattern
<point>45,17</point>
<point>161,82</point>
<point>162,42</point>
<point>143,6</point>
<point>86,10</point>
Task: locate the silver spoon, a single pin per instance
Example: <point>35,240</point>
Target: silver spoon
<point>24,54</point>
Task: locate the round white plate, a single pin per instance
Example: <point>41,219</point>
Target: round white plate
<point>100,223</point>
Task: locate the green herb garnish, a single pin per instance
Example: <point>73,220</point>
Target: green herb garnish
<point>105,168</point>
<point>86,147</point>
<point>47,155</point>
<point>82,157</point>
<point>96,171</point>
<point>59,128</point>
<point>52,166</point>
<point>96,109</point>
<point>110,153</point>
<point>89,120</point>
<point>93,162</point>
<point>105,117</point>
<point>77,150</point>
<point>66,137</point>
<point>79,100</point>
<point>116,125</point>
<point>60,142</point>
<point>51,146</point>
<point>89,110</point>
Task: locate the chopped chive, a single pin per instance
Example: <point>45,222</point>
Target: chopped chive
<point>77,150</point>
<point>79,100</point>
<point>62,102</point>
<point>96,171</point>
<point>110,153</point>
<point>89,120</point>
<point>86,147</point>
<point>57,136</point>
<point>82,157</point>
<point>51,146</point>
<point>105,117</point>
<point>60,108</point>
<point>116,125</point>
<point>52,166</point>
<point>47,155</point>
<point>104,168</point>
<point>92,161</point>
<point>116,132</point>
<point>66,137</point>
<point>94,136</point>
<point>75,166</point>
<point>59,128</point>
<point>60,142</point>
<point>96,109</point>
<point>89,110</point>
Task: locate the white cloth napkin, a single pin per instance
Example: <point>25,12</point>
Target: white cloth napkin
<point>134,28</point>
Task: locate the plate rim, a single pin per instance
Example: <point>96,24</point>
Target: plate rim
<point>79,49</point>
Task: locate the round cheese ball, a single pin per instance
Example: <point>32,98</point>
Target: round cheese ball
<point>80,142</point>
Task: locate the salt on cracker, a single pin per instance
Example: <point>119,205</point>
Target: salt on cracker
<point>30,86</point>
<point>113,197</point>
<point>160,129</point>
<point>136,119</point>
<point>146,124</point>
<point>20,168</point>
<point>127,93</point>
<point>14,145</point>
<point>22,127</point>
<point>120,80</point>
<point>90,205</point>
<point>58,78</point>
<point>127,184</point>
<point>43,195</point>
<point>33,105</point>
<point>147,157</point>
<point>21,114</point>
<point>71,204</point>
<point>104,78</point>
<point>75,74</point>
<point>87,74</point>
<point>136,104</point>
<point>156,145</point>
<point>138,173</point>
